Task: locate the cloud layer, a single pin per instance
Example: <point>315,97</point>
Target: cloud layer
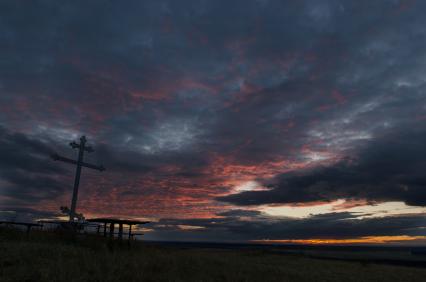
<point>196,107</point>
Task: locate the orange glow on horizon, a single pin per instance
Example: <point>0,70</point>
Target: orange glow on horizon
<point>360,240</point>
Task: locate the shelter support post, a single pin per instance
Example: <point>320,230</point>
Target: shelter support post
<point>130,231</point>
<point>111,230</point>
<point>120,231</point>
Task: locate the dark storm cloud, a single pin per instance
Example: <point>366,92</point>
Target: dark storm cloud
<point>26,171</point>
<point>88,60</point>
<point>25,214</point>
<point>390,168</point>
<point>334,225</point>
<point>239,213</point>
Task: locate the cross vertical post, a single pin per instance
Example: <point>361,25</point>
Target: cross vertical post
<point>77,176</point>
<point>79,164</point>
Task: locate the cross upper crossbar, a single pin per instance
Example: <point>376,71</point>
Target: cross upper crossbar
<point>57,157</point>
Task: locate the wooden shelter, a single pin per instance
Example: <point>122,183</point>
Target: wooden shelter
<point>113,221</point>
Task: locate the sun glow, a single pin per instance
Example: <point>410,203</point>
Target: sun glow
<point>249,186</point>
<point>362,209</point>
<point>360,240</point>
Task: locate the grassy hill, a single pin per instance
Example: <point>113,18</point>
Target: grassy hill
<point>50,257</point>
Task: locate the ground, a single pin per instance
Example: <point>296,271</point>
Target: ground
<point>51,257</point>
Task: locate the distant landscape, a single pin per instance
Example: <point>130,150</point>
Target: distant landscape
<point>43,256</point>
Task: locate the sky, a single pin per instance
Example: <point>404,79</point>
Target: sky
<point>229,121</point>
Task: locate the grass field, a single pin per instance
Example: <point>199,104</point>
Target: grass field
<point>49,257</point>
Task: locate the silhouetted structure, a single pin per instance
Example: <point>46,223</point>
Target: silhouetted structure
<point>120,222</point>
<point>79,163</point>
<point>26,224</point>
<point>77,227</point>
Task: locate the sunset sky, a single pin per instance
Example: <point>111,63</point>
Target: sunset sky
<point>242,120</point>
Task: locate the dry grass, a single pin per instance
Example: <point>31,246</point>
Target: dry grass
<point>48,257</point>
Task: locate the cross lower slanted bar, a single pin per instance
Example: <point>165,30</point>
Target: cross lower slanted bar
<point>79,163</point>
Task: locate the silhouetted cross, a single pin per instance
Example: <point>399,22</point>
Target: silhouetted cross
<point>81,148</point>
